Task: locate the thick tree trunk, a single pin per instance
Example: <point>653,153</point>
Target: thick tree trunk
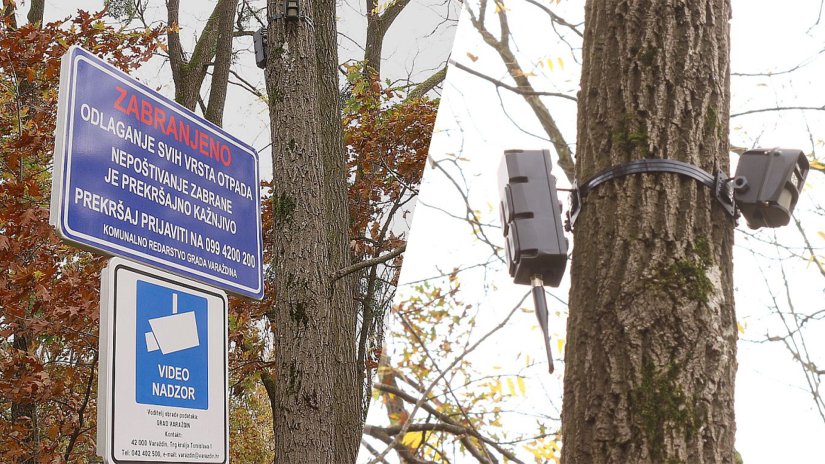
<point>651,353</point>
<point>349,376</point>
<point>301,319</point>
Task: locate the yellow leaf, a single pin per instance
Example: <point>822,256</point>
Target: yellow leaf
<point>741,328</point>
<point>821,234</point>
<point>521,386</point>
<point>412,439</point>
<point>560,344</point>
<point>561,62</point>
<point>496,387</point>
<point>512,387</point>
<point>816,164</point>
<point>550,64</point>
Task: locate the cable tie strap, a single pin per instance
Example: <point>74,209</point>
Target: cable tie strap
<point>718,183</point>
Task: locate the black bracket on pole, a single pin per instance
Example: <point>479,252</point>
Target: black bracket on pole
<point>718,183</point>
<point>301,17</point>
<point>293,12</point>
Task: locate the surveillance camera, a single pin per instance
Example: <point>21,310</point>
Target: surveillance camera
<point>531,217</point>
<point>767,184</point>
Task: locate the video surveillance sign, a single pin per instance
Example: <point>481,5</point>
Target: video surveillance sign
<point>137,175</point>
<point>172,351</point>
<point>162,390</point>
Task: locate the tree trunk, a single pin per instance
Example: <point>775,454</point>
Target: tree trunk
<point>378,23</point>
<point>188,74</point>
<point>36,11</point>
<point>223,62</point>
<point>349,376</point>
<point>301,318</point>
<point>651,353</point>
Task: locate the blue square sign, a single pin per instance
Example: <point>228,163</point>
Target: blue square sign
<point>171,347</point>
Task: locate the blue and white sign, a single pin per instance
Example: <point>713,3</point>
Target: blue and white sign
<point>172,351</point>
<point>163,382</point>
<point>139,176</point>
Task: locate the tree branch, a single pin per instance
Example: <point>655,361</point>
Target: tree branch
<point>556,18</point>
<point>36,10</point>
<point>393,390</point>
<point>511,88</point>
<point>368,262</point>
<point>443,372</point>
<point>223,62</point>
<point>549,125</point>
<point>430,83</point>
<point>780,108</point>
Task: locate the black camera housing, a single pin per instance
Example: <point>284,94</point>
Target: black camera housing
<point>767,184</point>
<point>259,42</point>
<point>531,217</point>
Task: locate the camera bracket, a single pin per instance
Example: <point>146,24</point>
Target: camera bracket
<point>718,183</point>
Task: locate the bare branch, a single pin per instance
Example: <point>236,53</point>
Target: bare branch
<point>556,18</point>
<point>779,108</point>
<point>549,125</point>
<point>509,87</point>
<point>368,262</point>
<point>443,372</point>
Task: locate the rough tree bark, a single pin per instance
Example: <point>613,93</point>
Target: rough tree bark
<point>302,318</point>
<point>349,374</point>
<point>651,354</point>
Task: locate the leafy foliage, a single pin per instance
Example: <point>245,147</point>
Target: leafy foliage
<point>388,139</point>
<point>48,291</point>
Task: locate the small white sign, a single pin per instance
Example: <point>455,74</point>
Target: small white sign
<point>162,387</point>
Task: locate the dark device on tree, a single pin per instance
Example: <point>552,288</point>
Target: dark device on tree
<point>531,217</point>
<point>535,244</point>
<point>259,41</point>
<point>292,11</point>
<point>767,185</point>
